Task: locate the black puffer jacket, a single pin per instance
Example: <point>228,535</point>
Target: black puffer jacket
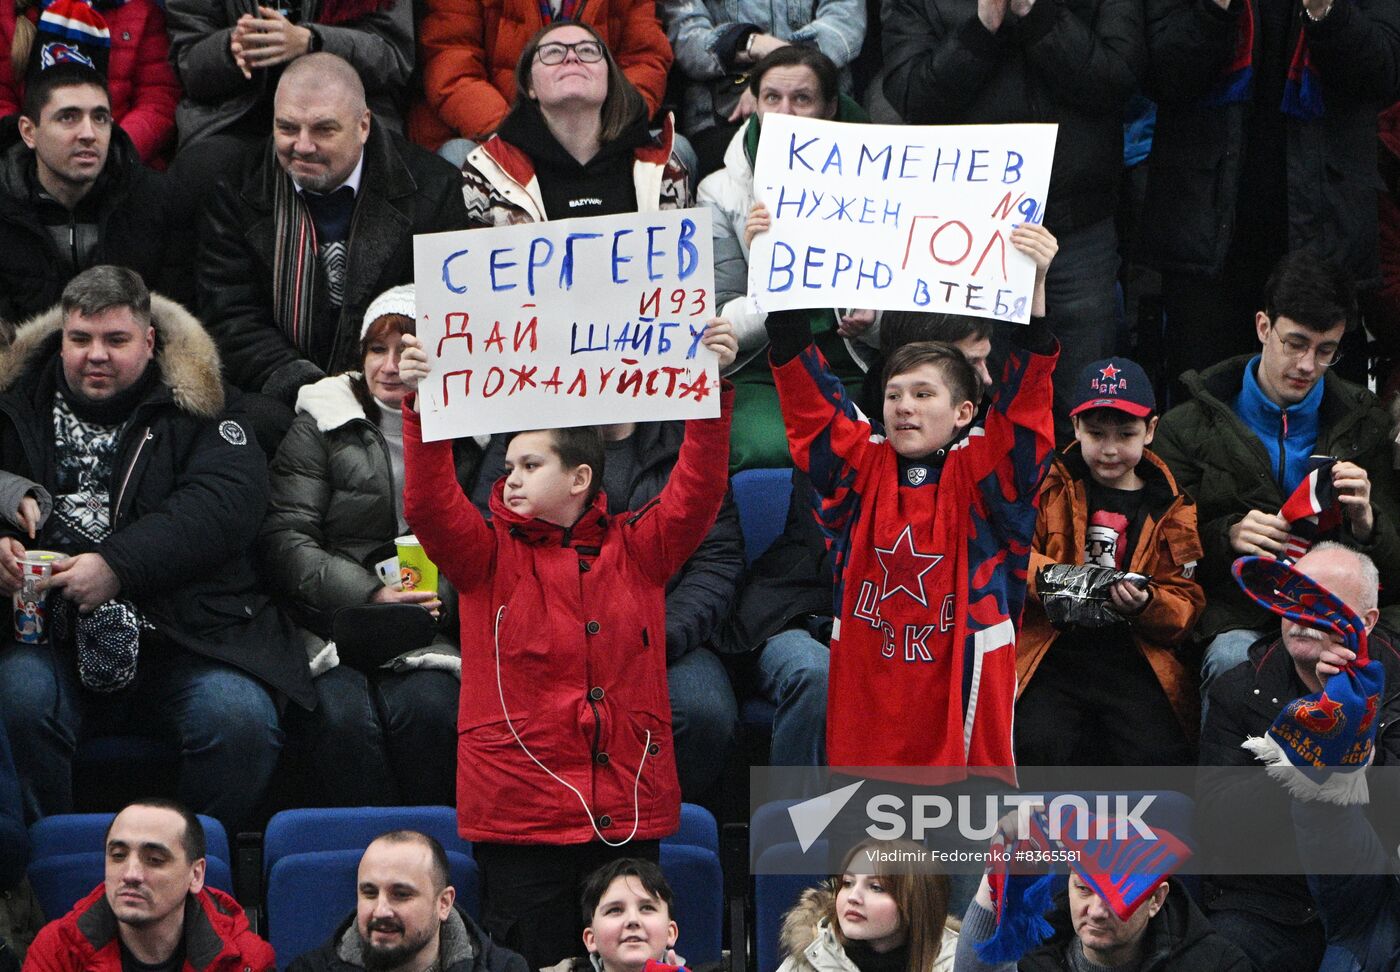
<point>1198,150</point>
<point>464,947</point>
<point>130,205</point>
<point>404,191</point>
<point>189,488</point>
<point>1075,62</point>
<point>699,595</point>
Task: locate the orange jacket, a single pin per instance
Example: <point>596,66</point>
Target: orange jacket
<point>469,50</point>
<point>1167,550</point>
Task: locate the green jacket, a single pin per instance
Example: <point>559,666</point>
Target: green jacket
<point>1218,460</point>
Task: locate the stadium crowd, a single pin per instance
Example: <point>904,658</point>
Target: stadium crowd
<point>209,364</point>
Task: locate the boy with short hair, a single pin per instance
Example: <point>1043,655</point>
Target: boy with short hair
<point>930,536</point>
<point>1113,695</point>
<point>564,729</point>
<point>629,924</point>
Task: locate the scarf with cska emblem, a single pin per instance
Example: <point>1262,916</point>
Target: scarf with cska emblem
<point>1320,745</point>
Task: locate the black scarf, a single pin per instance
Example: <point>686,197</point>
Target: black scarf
<point>108,411</point>
<point>869,960</point>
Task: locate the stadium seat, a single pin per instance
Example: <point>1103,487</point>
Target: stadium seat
<point>698,828</point>
<point>61,881</point>
<point>695,876</point>
<point>762,498</point>
<point>352,828</point>
<point>309,894</point>
<point>67,859</point>
<point>776,890</point>
<point>69,833</point>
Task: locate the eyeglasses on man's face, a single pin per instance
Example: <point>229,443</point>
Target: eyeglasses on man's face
<point>1296,347</point>
<point>587,51</point>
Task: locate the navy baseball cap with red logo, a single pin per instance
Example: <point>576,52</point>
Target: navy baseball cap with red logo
<point>1114,383</point>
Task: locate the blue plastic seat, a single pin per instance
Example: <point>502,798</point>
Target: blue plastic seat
<point>63,880</point>
<point>352,828</point>
<point>761,496</point>
<point>309,894</point>
<point>695,876</point>
<point>698,828</point>
<point>776,893</point>
<point>70,833</point>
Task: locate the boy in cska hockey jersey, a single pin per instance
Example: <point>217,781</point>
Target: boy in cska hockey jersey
<point>931,533</point>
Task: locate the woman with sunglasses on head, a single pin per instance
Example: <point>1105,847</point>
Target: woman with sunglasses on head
<point>575,143</point>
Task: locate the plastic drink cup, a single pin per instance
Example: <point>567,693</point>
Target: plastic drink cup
<point>31,611</point>
<point>416,571</point>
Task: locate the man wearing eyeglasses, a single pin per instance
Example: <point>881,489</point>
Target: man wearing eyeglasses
<point>1245,441</point>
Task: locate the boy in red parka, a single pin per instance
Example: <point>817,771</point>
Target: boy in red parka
<point>564,756</point>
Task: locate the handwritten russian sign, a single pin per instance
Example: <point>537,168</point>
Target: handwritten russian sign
<point>568,322</point>
<point>898,217</point>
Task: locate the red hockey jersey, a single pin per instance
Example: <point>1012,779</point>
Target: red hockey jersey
<point>931,567</point>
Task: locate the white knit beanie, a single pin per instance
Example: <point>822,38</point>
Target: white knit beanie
<point>395,300</point>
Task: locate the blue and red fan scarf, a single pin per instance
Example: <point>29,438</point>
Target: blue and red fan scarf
<point>1320,745</point>
<point>1313,511</point>
<point>1120,865</point>
<point>1302,92</point>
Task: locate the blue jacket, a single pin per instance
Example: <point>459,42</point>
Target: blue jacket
<point>1288,435</point>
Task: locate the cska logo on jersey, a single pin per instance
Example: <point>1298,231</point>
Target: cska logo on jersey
<point>905,567</point>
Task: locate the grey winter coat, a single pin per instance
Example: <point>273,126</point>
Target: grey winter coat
<point>705,33</point>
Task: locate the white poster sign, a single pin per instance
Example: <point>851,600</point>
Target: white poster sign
<point>898,217</point>
<point>568,322</point>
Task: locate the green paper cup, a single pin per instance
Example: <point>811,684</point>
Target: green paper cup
<point>416,571</point>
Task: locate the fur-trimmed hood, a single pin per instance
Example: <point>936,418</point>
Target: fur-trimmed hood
<point>809,944</point>
<point>188,359</point>
<point>331,401</point>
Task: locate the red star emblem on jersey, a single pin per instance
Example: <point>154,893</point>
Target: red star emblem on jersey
<point>905,567</point>
<point>1109,373</point>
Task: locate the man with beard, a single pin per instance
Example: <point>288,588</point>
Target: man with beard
<point>406,919</point>
<point>294,247</point>
<point>1273,917</point>
<point>153,911</point>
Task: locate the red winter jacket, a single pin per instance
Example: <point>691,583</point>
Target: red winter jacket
<point>141,82</point>
<point>217,938</point>
<point>569,627</point>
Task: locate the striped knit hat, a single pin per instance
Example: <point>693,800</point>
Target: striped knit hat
<point>70,32</point>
